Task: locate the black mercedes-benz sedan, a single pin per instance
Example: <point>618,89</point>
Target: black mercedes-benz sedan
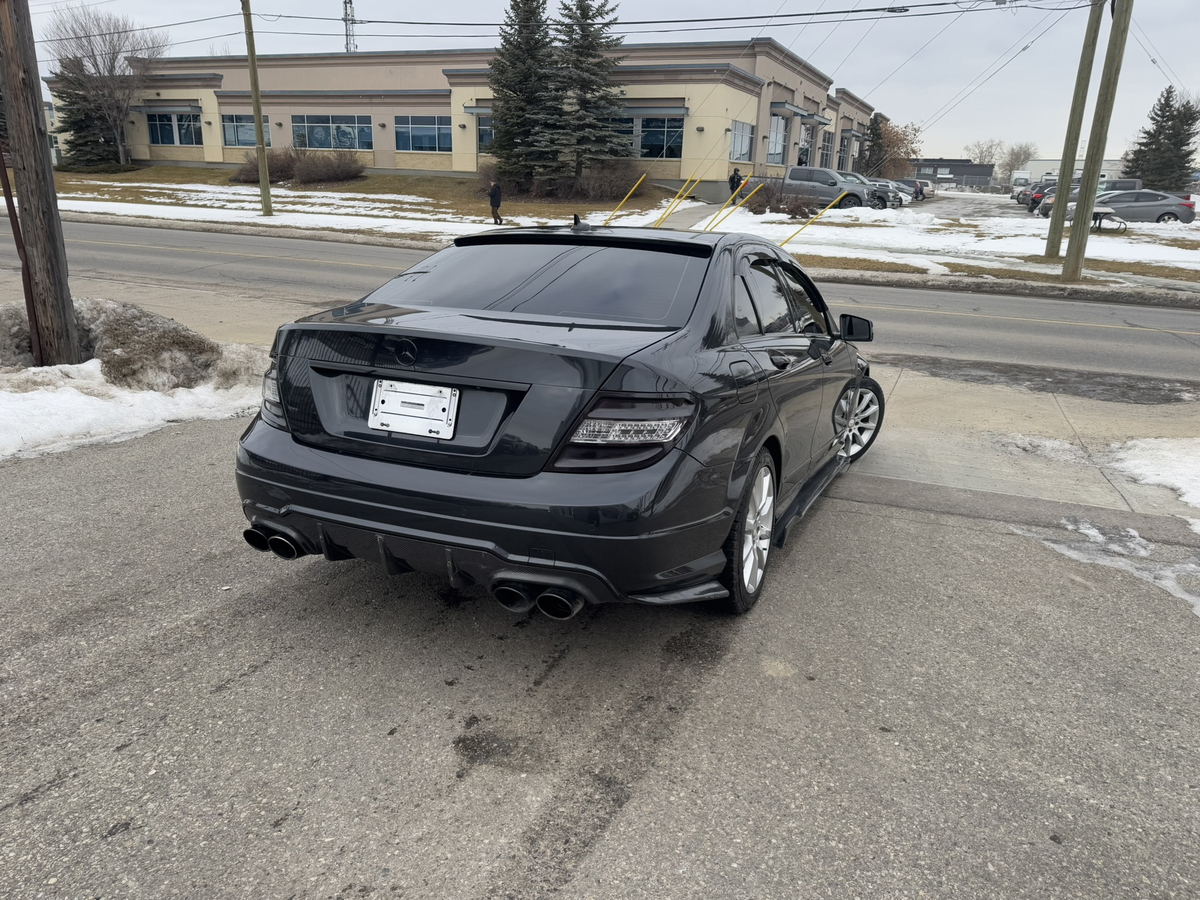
<point>564,416</point>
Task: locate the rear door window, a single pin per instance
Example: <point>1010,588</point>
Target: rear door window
<point>809,319</point>
<point>563,280</point>
<point>1150,197</point>
<point>769,298</point>
<point>1127,197</point>
<point>745,319</point>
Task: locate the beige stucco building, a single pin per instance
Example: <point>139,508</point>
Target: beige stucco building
<point>693,109</point>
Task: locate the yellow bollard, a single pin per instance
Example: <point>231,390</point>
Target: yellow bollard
<point>739,206</point>
<point>623,202</point>
<point>683,192</point>
<point>817,216</point>
<point>741,187</point>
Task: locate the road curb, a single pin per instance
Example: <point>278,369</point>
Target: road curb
<point>307,234</point>
<point>1181,298</point>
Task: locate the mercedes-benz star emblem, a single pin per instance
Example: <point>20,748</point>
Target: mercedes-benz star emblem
<point>406,352</point>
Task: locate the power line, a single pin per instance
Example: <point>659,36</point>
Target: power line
<point>929,124</point>
<point>1159,55</point>
<point>140,28</point>
<point>888,77</point>
<point>771,17</point>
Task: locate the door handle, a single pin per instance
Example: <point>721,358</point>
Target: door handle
<point>780,360</point>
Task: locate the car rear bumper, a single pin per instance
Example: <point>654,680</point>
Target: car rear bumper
<point>652,536</point>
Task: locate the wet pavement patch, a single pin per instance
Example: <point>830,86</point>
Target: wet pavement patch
<point>1091,385</point>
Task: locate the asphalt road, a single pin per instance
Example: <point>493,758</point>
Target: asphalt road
<point>1116,338</point>
<point>980,718</point>
<point>927,702</point>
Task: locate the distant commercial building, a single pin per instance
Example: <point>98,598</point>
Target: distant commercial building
<point>691,109</point>
<point>1050,168</point>
<point>953,171</point>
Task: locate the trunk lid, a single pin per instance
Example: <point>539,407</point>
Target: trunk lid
<point>522,381</point>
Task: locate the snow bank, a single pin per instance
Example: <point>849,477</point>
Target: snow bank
<point>1170,462</point>
<point>145,371</point>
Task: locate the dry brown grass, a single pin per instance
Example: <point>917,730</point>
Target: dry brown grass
<point>857,265</point>
<point>1010,274</point>
<point>1175,273</point>
<point>452,196</point>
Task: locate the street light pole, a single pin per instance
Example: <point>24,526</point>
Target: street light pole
<point>264,178</point>
<point>1058,213</point>
<point>1113,57</point>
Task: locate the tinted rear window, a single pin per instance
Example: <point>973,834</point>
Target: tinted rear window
<point>623,284</point>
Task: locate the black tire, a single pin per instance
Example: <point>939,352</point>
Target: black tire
<point>1167,217</point>
<point>850,202</point>
<point>858,417</point>
<point>742,595</point>
<point>878,203</point>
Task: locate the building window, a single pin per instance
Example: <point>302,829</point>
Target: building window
<point>777,140</point>
<point>741,142</point>
<point>238,131</point>
<point>332,132</point>
<point>487,134</point>
<point>654,138</point>
<point>844,153</point>
<point>827,150</point>
<point>175,128</point>
<point>424,134</point>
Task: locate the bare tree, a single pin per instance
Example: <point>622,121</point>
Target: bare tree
<point>984,153</point>
<point>102,60</point>
<point>1015,156</point>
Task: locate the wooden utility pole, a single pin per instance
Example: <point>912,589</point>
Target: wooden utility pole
<point>264,178</point>
<point>1073,264</point>
<point>1058,213</point>
<point>52,328</point>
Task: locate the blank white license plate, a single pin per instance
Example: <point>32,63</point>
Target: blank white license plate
<point>403,407</point>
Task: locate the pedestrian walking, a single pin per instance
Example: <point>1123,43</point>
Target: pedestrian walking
<point>735,181</point>
<point>494,195</point>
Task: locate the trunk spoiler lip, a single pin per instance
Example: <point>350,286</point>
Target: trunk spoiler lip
<point>380,316</point>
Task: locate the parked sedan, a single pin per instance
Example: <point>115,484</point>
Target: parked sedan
<point>564,416</point>
<point>1149,206</point>
<point>902,191</point>
<point>882,197</point>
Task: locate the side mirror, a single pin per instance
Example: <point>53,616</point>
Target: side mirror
<point>856,328</point>
<point>831,183</point>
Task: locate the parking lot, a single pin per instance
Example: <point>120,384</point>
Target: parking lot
<point>967,678</point>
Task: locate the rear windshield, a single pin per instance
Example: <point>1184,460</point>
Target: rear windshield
<point>622,284</point>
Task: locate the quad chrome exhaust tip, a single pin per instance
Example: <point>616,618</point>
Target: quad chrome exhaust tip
<point>559,604</point>
<point>516,598</point>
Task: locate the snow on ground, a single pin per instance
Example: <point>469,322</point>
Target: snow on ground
<point>1128,551</point>
<point>146,371</point>
<point>320,210</point>
<point>76,405</point>
<point>1170,462</point>
<point>923,239</point>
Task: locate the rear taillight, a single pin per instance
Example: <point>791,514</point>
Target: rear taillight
<point>272,406</point>
<point>625,432</point>
<point>1190,204</point>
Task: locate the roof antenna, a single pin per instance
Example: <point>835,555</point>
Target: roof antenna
<point>580,225</point>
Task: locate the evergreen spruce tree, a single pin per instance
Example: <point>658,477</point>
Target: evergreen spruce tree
<point>523,90</point>
<point>90,140</point>
<point>591,131</point>
<point>872,165</point>
<point>1164,154</point>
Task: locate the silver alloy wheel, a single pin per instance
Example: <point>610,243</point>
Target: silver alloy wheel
<point>856,418</point>
<point>756,535</point>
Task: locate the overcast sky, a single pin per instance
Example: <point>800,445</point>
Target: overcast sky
<point>1027,100</point>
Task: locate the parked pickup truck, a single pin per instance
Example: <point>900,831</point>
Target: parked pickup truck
<point>826,185</point>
